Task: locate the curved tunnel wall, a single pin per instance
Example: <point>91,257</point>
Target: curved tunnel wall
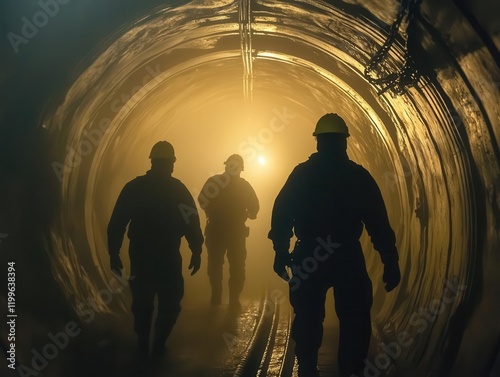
<point>195,74</point>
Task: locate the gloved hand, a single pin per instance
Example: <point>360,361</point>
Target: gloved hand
<point>281,260</point>
<point>116,264</point>
<point>392,275</point>
<point>195,263</point>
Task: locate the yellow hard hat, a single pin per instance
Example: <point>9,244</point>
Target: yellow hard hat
<point>162,149</point>
<point>331,123</point>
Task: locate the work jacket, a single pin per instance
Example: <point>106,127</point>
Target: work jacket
<point>160,211</point>
<point>228,201</point>
<point>331,199</point>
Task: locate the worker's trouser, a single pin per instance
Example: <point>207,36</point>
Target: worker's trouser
<point>219,241</point>
<point>155,275</point>
<point>353,299</point>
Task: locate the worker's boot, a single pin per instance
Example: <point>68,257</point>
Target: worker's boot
<point>216,296</point>
<point>159,349</point>
<point>143,346</point>
<point>308,364</point>
<point>234,297</point>
<point>163,328</point>
<point>234,302</point>
<point>308,372</point>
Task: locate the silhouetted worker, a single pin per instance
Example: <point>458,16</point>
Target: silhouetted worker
<point>228,201</point>
<point>325,202</point>
<point>153,203</point>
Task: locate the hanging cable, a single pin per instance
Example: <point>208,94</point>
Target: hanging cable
<point>408,74</point>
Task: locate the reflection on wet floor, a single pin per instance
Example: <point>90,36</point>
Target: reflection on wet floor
<point>214,341</point>
<point>207,341</point>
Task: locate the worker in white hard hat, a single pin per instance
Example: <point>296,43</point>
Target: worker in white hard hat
<point>228,201</point>
<point>325,202</point>
<point>152,205</point>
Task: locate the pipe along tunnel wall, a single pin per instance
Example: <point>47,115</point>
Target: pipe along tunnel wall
<point>214,80</point>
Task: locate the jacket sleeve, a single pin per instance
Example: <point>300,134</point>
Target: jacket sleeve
<point>121,216</point>
<point>203,200</point>
<point>283,218</point>
<point>193,232</point>
<point>252,202</point>
<point>374,216</point>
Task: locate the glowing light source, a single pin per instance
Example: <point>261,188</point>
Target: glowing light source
<point>262,160</point>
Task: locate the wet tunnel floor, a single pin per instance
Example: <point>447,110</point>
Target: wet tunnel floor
<point>210,342</point>
<point>206,342</point>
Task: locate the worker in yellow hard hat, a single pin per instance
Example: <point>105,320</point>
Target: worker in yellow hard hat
<point>152,204</point>
<point>325,202</point>
<point>228,201</point>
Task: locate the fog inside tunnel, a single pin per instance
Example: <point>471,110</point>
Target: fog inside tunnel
<point>192,96</point>
<point>211,82</point>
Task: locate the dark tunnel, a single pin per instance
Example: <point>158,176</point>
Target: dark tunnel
<point>88,87</point>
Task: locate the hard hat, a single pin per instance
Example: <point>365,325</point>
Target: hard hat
<point>331,124</point>
<point>235,158</point>
<point>162,149</point>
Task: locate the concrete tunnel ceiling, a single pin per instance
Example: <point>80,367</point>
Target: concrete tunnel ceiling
<point>182,73</point>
